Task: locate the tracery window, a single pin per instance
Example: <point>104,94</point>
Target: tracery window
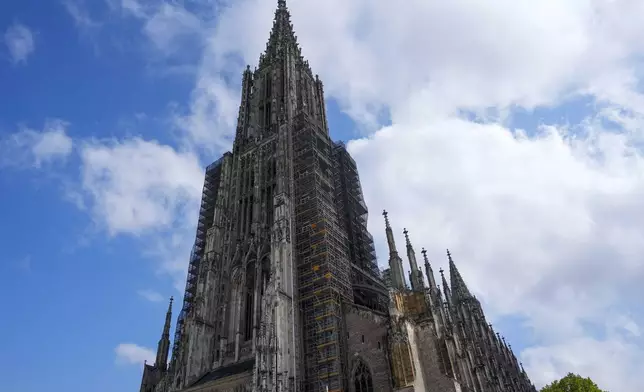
<point>250,297</point>
<point>235,303</point>
<point>362,378</point>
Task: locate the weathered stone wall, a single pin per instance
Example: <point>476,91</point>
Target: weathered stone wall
<point>426,356</point>
<point>367,341</point>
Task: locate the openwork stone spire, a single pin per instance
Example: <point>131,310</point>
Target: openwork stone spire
<point>282,37</point>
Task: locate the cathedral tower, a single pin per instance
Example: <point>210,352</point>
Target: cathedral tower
<point>283,291</point>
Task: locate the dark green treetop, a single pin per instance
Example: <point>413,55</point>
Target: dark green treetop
<point>572,383</point>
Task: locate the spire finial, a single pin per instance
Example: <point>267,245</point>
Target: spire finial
<point>449,256</point>
<point>406,233</point>
<point>442,272</point>
<point>424,252</point>
<point>386,215</point>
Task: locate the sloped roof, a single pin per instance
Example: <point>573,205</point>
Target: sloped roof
<point>225,371</point>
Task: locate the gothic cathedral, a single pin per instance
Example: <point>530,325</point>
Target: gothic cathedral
<point>283,291</point>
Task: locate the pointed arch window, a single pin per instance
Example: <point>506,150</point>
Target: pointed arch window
<point>236,288</point>
<point>362,378</point>
<point>250,298</point>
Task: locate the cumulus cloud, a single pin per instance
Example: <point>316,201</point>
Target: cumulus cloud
<point>133,354</point>
<point>142,188</point>
<point>137,185</point>
<point>36,148</point>
<point>20,42</point>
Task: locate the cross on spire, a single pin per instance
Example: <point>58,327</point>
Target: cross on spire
<point>386,215</point>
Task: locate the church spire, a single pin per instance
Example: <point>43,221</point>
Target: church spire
<point>429,271</point>
<point>415,276</point>
<point>395,262</point>
<point>164,342</point>
<point>459,288</point>
<point>281,37</point>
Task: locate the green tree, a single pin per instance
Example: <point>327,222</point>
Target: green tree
<point>572,383</point>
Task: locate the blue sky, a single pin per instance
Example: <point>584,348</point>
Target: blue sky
<point>518,151</point>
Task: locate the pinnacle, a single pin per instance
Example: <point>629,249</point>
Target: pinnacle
<point>459,288</point>
<point>406,233</point>
<point>386,215</point>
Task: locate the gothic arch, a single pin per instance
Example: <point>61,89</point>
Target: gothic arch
<point>264,250</point>
<point>265,273</point>
<point>235,301</point>
<point>235,261</point>
<point>249,298</point>
<point>361,377</point>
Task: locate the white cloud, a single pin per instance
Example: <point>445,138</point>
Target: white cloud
<point>612,363</point>
<point>138,186</point>
<point>20,42</point>
<point>30,147</point>
<point>168,25</point>
<point>133,354</point>
<point>142,188</point>
<point>151,295</point>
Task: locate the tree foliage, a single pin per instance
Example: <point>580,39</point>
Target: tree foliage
<point>572,383</point>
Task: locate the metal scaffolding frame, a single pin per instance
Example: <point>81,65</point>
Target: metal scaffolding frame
<point>368,287</point>
<point>206,214</point>
<point>321,256</point>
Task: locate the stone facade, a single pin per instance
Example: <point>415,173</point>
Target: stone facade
<point>283,293</point>
<point>367,333</point>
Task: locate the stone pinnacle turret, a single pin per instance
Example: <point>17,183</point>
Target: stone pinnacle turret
<point>164,343</point>
<point>415,276</point>
<point>395,262</point>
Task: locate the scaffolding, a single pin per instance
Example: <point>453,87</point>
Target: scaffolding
<point>205,221</point>
<point>321,256</point>
<point>368,287</point>
<point>353,210</point>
